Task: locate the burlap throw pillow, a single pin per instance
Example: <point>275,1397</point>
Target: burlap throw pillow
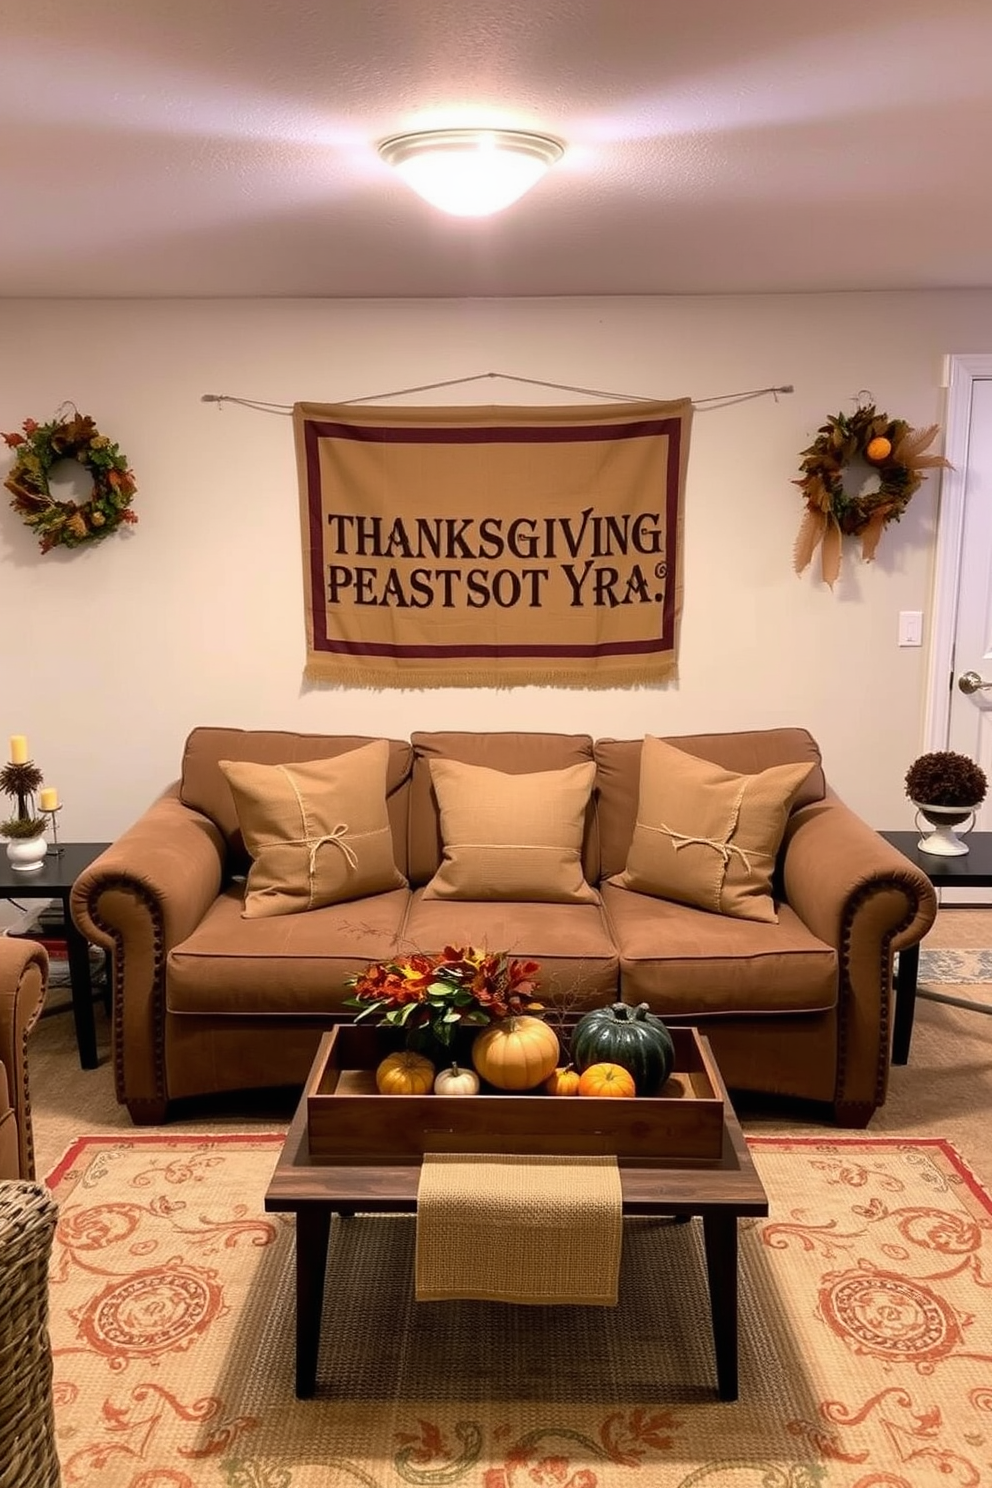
<point>512,836</point>
<point>707,836</point>
<point>317,830</point>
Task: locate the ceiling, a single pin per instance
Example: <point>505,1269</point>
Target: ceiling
<point>227,147</point>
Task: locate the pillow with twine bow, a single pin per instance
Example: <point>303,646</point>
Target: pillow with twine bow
<point>707,836</point>
<point>317,830</point>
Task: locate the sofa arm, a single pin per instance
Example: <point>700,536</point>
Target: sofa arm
<point>857,893</point>
<point>145,894</point>
<point>23,980</point>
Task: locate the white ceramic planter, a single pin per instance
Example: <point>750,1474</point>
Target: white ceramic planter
<point>27,854</point>
<point>943,841</point>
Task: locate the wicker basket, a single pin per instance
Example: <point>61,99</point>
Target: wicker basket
<point>28,1458</point>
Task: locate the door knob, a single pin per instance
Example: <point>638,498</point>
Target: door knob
<point>972,682</point>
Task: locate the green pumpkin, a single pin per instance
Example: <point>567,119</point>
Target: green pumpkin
<point>629,1036</point>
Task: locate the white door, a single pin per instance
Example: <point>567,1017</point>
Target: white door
<point>970,723</point>
<point>962,630</point>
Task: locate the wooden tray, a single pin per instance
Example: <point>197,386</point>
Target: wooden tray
<point>348,1120</point>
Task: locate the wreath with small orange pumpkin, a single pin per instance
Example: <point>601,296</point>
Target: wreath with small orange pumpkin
<point>890,447</point>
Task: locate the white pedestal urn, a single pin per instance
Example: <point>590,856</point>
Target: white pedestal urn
<point>27,854</point>
<point>943,841</point>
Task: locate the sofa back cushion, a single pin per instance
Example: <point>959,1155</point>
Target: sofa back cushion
<point>204,788</point>
<point>618,773</point>
<point>511,753</point>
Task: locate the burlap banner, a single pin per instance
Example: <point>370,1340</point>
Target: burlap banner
<point>492,547</point>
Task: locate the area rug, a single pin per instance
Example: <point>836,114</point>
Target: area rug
<point>865,1350</point>
<point>963,968</point>
<point>961,978</point>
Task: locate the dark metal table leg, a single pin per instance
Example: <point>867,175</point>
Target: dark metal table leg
<point>902,1024</point>
<point>313,1226</point>
<point>82,988</point>
<point>720,1237</point>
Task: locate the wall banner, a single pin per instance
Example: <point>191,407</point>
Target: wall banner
<point>493,546</point>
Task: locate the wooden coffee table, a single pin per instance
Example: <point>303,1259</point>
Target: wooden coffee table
<point>721,1190</point>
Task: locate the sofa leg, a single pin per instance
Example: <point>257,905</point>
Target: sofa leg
<point>148,1112</point>
<point>853,1113</point>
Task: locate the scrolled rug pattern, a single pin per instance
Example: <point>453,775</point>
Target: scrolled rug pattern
<point>965,968</point>
<point>865,1350</point>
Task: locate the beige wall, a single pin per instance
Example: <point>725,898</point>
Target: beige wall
<point>109,655</point>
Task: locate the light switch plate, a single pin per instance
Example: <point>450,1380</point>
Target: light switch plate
<point>911,627</point>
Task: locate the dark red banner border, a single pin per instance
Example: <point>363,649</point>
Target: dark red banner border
<point>314,430</point>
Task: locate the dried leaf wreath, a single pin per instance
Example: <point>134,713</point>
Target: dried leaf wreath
<point>892,448</point>
<point>69,436</point>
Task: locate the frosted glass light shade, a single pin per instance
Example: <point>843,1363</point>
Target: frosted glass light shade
<point>471,172</point>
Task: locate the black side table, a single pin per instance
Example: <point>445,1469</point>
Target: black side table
<point>54,880</point>
<point>972,870</point>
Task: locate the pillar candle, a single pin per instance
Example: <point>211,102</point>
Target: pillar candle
<point>48,798</point>
<point>18,749</point>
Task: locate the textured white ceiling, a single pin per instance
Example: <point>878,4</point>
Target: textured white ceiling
<point>227,147</point>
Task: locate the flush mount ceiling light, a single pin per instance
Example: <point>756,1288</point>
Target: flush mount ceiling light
<point>471,172</point>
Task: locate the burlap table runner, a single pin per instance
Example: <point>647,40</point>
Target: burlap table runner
<point>501,1228</point>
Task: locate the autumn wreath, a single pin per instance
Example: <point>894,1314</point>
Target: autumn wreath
<point>892,449</point>
<point>69,436</point>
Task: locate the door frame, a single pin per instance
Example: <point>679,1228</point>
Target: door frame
<point>963,371</point>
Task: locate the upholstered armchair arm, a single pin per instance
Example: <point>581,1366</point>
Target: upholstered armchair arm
<point>23,980</point>
<point>857,893</point>
<point>147,892</point>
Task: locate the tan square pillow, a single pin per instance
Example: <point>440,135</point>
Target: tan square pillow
<point>317,830</point>
<point>512,836</point>
<point>707,836</point>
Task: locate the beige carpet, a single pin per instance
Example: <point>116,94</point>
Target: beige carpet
<point>864,1358</point>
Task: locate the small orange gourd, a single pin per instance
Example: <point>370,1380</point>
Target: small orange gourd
<point>405,1073</point>
<point>563,1081</point>
<point>516,1053</point>
<point>607,1079</point>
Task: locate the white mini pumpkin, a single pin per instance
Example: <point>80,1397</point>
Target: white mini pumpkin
<point>456,1081</point>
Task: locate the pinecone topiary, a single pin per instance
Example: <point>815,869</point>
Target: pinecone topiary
<point>944,778</point>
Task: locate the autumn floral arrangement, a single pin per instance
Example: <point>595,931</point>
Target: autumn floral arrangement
<point>69,436</point>
<point>433,995</point>
<point>835,508</point>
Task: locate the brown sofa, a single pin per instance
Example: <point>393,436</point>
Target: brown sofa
<point>205,1000</point>
<point>23,981</point>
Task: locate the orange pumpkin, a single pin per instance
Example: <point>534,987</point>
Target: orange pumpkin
<point>563,1081</point>
<point>516,1053</point>
<point>405,1073</point>
<point>607,1079</point>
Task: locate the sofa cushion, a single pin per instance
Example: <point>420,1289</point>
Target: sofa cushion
<point>579,967</point>
<point>512,753</point>
<point>708,836</point>
<point>317,830</point>
<point>203,788</point>
<point>512,837</point>
<point>685,963</point>
<point>618,763</point>
<point>282,966</point>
